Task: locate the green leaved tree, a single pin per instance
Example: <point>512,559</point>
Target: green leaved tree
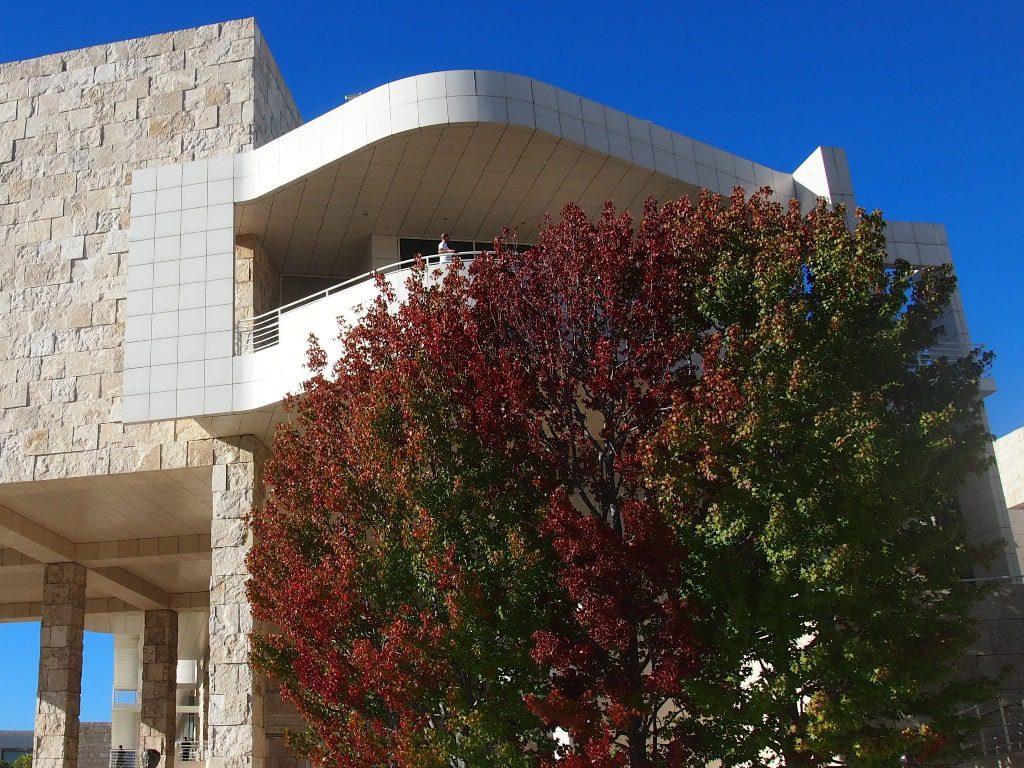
<point>822,451</point>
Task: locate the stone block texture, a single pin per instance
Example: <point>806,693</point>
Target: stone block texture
<point>73,127</point>
<point>158,721</point>
<point>1009,453</point>
<point>94,745</point>
<point>235,725</point>
<point>61,635</point>
<point>257,284</point>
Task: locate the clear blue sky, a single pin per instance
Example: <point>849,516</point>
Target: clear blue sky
<point>926,97</point>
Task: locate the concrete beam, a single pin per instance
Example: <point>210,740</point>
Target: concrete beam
<point>33,544</point>
<point>12,563</point>
<point>33,540</point>
<point>127,586</point>
<point>9,558</point>
<point>99,553</point>
<point>110,553</point>
<point>182,602</point>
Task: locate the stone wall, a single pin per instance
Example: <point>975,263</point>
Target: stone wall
<point>59,692</point>
<point>257,282</point>
<point>73,126</point>
<point>235,727</point>
<point>1009,451</point>
<point>94,745</point>
<point>158,718</point>
<point>275,110</point>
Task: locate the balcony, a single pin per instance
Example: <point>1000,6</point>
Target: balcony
<point>126,699</point>
<point>265,330</point>
<point>188,751</point>
<point>124,758</point>
<point>512,150</point>
<point>270,349</point>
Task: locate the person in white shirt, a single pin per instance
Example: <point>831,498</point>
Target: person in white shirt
<point>444,249</point>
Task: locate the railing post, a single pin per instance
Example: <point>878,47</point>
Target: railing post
<point>1006,728</point>
<point>981,731</point>
<point>1020,727</point>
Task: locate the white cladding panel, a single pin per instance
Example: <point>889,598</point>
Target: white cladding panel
<point>127,667</point>
<point>124,729</point>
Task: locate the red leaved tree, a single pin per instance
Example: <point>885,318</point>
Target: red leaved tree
<point>460,550</point>
<point>582,344</point>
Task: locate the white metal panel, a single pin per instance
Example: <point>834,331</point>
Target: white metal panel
<point>127,669</point>
<point>124,729</point>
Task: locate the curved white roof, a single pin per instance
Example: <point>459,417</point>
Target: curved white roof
<point>471,152</point>
<point>480,96</point>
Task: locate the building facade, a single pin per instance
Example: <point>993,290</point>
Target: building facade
<point>170,234</point>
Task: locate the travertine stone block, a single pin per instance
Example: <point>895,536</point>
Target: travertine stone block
<point>159,684</point>
<point>61,636</point>
<point>257,282</point>
<point>236,727</point>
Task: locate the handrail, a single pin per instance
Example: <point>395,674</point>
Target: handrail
<point>262,330</point>
<point>188,751</point>
<point>1002,735</point>
<point>123,758</point>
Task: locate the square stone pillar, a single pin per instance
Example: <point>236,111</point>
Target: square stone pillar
<point>236,737</point>
<point>158,722</point>
<point>59,697</point>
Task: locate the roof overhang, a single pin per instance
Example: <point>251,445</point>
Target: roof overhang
<point>466,152</point>
<point>471,180</point>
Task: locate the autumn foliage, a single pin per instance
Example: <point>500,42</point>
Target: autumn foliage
<point>633,498</point>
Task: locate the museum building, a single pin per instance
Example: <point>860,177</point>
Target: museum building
<point>170,234</point>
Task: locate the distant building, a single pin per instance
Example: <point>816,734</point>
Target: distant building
<point>161,207</point>
<point>93,745</point>
<point>14,744</point>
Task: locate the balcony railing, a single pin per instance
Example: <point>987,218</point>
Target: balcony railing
<point>188,751</point>
<point>268,330</point>
<point>262,331</point>
<point>1002,729</point>
<point>1000,733</point>
<point>951,350</point>
<point>123,758</point>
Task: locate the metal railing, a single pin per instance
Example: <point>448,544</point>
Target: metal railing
<point>1000,733</point>
<point>186,751</point>
<point>123,758</point>
<point>951,350</point>
<point>1001,729</point>
<point>262,331</point>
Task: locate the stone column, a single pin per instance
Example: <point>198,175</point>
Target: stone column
<point>158,722</point>
<point>59,697</point>
<point>257,284</point>
<point>235,725</point>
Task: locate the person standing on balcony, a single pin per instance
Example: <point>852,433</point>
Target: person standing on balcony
<point>444,249</point>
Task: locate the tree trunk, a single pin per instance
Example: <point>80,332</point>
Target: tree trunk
<point>637,737</point>
<point>793,758</point>
<point>796,759</point>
